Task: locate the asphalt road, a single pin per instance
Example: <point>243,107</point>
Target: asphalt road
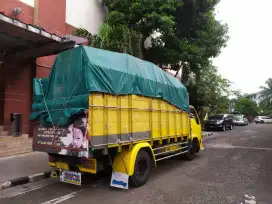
<point>235,167</point>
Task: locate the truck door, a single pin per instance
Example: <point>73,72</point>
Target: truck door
<point>195,126</point>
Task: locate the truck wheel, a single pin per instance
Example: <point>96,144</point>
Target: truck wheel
<point>142,169</point>
<point>192,149</point>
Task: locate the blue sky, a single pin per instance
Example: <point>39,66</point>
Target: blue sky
<point>246,61</point>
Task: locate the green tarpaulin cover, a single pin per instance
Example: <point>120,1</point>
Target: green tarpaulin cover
<point>80,71</point>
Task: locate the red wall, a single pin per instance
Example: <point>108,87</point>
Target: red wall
<point>2,94</point>
<point>15,94</point>
<point>16,91</point>
<point>52,15</point>
<point>27,14</point>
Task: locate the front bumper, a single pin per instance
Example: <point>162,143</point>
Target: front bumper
<point>238,123</point>
<point>214,126</point>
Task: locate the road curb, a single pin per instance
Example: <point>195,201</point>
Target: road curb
<point>24,180</point>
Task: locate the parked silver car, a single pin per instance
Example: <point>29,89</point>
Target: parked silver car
<point>263,119</point>
<point>240,120</point>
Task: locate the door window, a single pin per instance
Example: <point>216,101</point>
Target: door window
<point>193,115</point>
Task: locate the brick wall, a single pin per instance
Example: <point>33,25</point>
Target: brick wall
<point>27,14</point>
<point>18,92</point>
<point>7,99</point>
<point>16,83</point>
<point>2,94</point>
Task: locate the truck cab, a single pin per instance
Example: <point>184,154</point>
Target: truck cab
<point>196,129</point>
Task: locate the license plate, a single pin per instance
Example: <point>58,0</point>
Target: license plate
<point>70,177</point>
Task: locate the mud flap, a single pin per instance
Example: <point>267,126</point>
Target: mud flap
<point>119,180</point>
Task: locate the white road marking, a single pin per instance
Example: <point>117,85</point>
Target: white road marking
<point>23,192</point>
<point>249,199</point>
<point>61,199</point>
<point>227,146</point>
<point>26,188</point>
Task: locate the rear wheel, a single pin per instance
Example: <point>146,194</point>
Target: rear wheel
<point>224,128</point>
<point>262,122</point>
<point>231,127</point>
<point>142,169</point>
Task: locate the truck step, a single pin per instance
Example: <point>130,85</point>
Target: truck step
<point>173,155</point>
<point>168,153</point>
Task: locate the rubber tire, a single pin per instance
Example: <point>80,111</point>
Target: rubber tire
<point>224,128</point>
<point>192,149</point>
<point>231,127</point>
<point>135,180</point>
<point>262,122</point>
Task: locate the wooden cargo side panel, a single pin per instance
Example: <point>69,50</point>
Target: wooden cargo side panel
<point>140,118</point>
<point>125,118</point>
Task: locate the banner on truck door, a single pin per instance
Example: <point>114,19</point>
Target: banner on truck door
<point>71,140</point>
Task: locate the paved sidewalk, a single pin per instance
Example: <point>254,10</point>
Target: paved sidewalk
<point>14,167</point>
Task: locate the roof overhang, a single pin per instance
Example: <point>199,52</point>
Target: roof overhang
<point>20,41</point>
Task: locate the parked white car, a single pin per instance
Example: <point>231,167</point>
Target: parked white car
<point>263,119</point>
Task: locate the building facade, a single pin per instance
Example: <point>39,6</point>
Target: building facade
<point>57,17</point>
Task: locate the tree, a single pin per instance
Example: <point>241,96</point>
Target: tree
<point>266,92</point>
<point>197,37</point>
<point>129,23</point>
<point>247,107</point>
<point>184,34</point>
<point>266,108</point>
<point>118,38</point>
<point>212,91</point>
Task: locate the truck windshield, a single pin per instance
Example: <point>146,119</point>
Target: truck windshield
<point>216,117</point>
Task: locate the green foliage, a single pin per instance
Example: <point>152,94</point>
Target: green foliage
<point>118,38</point>
<point>266,92</point>
<point>212,91</point>
<point>266,108</point>
<point>184,34</point>
<point>247,107</point>
<point>189,32</point>
<point>197,37</point>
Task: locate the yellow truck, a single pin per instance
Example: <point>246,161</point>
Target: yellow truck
<point>100,109</point>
